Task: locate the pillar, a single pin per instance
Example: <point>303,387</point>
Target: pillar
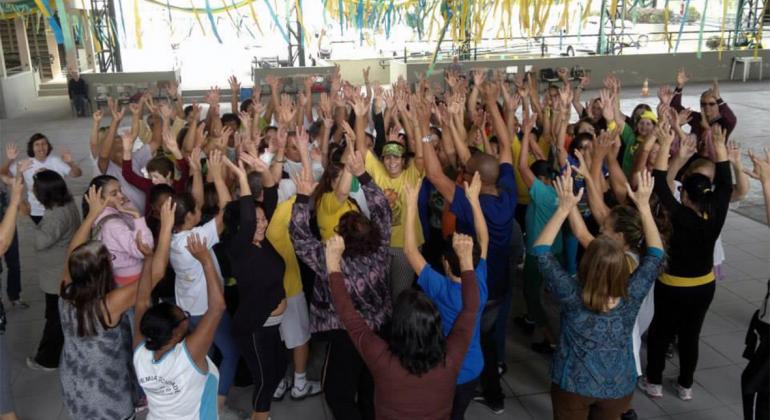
<point>23,44</point>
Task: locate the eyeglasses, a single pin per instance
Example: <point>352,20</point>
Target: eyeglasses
<point>703,104</point>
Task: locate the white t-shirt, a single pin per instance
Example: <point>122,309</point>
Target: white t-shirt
<point>53,163</point>
<point>176,388</point>
<point>190,282</point>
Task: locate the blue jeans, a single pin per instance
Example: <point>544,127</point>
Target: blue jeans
<point>223,340</point>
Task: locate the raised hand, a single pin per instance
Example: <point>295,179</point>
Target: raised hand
<point>562,73</point>
<point>681,78</point>
<point>585,80</point>
<point>166,112</point>
<point>463,246</point>
<point>608,104</point>
<point>11,151</point>
<point>687,147</point>
<point>254,162</point>
<point>473,189</point>
<point>665,94</point>
<point>664,133</point>
<point>335,247</point>
<point>96,202</point>
<point>167,212</point>
<point>215,164</point>
<point>170,144</point>
<point>135,108</point>
<point>564,190</point>
<point>583,169</point>
<point>98,115</point>
<point>718,135</point>
<point>304,182</point>
<point>715,89</point>
<point>355,164</point>
<point>761,170</point>
<point>478,77</point>
<point>23,165</point>
<point>235,85</point>
<point>366,74</point>
<point>411,194</point>
<point>197,248</point>
<point>645,183</point>
<point>66,155</point>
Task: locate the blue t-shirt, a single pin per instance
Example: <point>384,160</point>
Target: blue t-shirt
<point>543,202</point>
<point>448,298</point>
<point>498,212</point>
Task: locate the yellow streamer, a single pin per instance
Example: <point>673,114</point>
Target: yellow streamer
<point>758,38</point>
<point>137,25</point>
<point>722,30</point>
<point>198,18</point>
<point>254,17</point>
<point>613,9</point>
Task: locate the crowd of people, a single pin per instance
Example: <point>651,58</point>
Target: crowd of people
<point>388,223</point>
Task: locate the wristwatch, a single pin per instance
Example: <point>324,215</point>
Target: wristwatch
<point>427,139</point>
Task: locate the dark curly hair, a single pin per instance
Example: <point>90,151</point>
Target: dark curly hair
<point>416,337</point>
<point>362,237</point>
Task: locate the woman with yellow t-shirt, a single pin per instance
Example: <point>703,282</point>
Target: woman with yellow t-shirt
<point>390,174</point>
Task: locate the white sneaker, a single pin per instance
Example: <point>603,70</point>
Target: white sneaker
<point>652,390</point>
<point>311,388</point>
<point>283,386</point>
<point>685,394</point>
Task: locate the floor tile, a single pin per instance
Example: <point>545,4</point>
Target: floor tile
<point>673,406</point>
<point>721,382</point>
<point>538,405</point>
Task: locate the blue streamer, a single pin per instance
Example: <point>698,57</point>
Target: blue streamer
<point>213,22</point>
<point>388,18</point>
<point>339,5</point>
<point>277,21</point>
<point>681,26</point>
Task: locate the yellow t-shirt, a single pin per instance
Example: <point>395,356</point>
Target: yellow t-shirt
<point>278,235</point>
<point>328,213</point>
<point>410,174</point>
<point>522,191</point>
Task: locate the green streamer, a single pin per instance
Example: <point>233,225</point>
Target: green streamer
<point>699,54</point>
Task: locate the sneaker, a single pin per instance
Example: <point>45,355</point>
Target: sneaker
<point>32,364</point>
<point>502,368</point>
<point>525,325</point>
<point>283,386</point>
<point>685,394</point>
<point>311,388</point>
<point>18,303</point>
<point>496,407</point>
<point>543,347</point>
<point>652,390</point>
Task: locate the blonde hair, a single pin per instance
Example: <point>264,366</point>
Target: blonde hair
<point>604,273</point>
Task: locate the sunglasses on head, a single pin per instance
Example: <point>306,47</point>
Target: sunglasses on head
<point>708,104</point>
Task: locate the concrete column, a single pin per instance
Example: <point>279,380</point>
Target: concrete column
<point>88,41</point>
<point>23,43</point>
<point>2,63</point>
<point>53,51</point>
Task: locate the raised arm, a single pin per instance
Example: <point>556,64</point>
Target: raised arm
<point>599,209</point>
<point>96,204</point>
<point>526,173</point>
<point>641,197</point>
<point>93,142</point>
<point>413,255</point>
<point>567,200</point>
<point>369,345</point>
<point>216,167</point>
<point>473,191</point>
<point>200,339</point>
<point>307,247</point>
<point>235,92</point>
<point>491,92</point>
<point>105,148</point>
<point>459,337</point>
<point>741,187</point>
<point>761,172</point>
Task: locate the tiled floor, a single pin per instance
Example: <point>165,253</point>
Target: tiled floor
<point>717,387</point>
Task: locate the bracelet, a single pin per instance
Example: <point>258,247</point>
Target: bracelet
<point>427,139</point>
<point>279,161</point>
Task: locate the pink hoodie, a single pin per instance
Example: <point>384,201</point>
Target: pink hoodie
<point>119,237</point>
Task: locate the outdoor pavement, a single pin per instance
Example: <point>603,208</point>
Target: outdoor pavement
<point>526,384</point>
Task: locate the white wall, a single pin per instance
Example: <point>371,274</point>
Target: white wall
<point>18,94</point>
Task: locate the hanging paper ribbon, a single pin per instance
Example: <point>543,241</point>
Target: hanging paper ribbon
<point>277,21</point>
<point>227,10</point>
<point>699,54</point>
<point>137,25</point>
<point>212,22</point>
<point>758,37</point>
<point>722,31</point>
<point>254,17</point>
<point>198,18</point>
<point>45,9</point>
<point>665,25</point>
<point>681,25</point>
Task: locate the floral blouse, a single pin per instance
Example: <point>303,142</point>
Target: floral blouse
<point>365,276</point>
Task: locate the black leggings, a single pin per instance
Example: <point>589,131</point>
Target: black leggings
<point>348,385</point>
<point>679,311</point>
<point>265,355</point>
<point>464,394</point>
<point>50,347</point>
